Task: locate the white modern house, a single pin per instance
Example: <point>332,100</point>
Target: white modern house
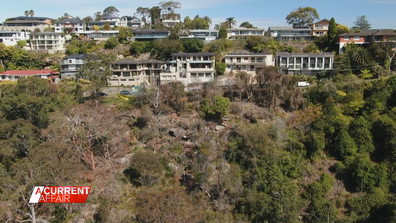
<point>250,63</point>
<point>69,25</point>
<point>71,64</point>
<point>244,33</point>
<point>290,33</point>
<point>170,20</point>
<point>206,35</point>
<point>52,42</point>
<point>189,68</point>
<point>14,75</point>
<point>113,21</point>
<point>10,38</point>
<point>304,63</point>
<point>101,35</point>
<point>129,21</point>
<point>135,72</point>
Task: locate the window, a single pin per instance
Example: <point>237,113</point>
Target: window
<point>131,79</point>
<point>231,59</point>
<point>356,38</point>
<point>319,33</point>
<point>246,58</point>
<point>238,59</point>
<point>126,74</point>
<point>70,61</point>
<point>253,59</point>
<point>346,38</point>
<point>123,80</point>
<point>318,26</point>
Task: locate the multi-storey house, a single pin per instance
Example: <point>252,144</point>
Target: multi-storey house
<point>129,21</point>
<point>47,41</point>
<point>10,38</point>
<point>113,21</point>
<point>290,33</point>
<point>149,34</point>
<point>69,25</point>
<point>206,35</point>
<point>304,63</point>
<point>189,68</point>
<point>170,20</point>
<point>71,64</point>
<point>136,72</point>
<point>250,63</point>
<point>26,23</point>
<point>244,33</point>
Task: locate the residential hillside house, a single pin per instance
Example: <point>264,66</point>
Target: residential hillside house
<point>132,22</point>
<point>189,68</point>
<point>52,42</point>
<point>101,35</point>
<point>71,64</point>
<point>113,21</point>
<point>290,33</point>
<point>304,63</point>
<point>27,24</point>
<point>320,28</point>
<point>169,20</point>
<point>136,72</point>
<point>149,34</point>
<point>14,75</point>
<point>250,63</point>
<point>206,35</point>
<point>69,25</point>
<point>10,38</point>
<point>365,37</point>
<point>244,33</point>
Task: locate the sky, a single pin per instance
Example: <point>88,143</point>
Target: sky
<point>261,13</point>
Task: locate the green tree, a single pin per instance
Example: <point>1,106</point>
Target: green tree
<point>303,16</point>
<point>332,31</point>
<point>124,33</point>
<point>111,43</point>
<point>223,33</point>
<point>155,13</point>
<point>169,7</point>
<point>311,48</point>
<point>110,11</point>
<point>230,22</point>
<point>163,48</point>
<point>106,26</point>
<point>31,13</point>
<point>216,109</point>
<point>365,74</point>
<point>26,13</point>
<point>192,45</point>
<point>97,69</point>
<point>138,48</point>
<point>246,25</point>
<point>360,131</point>
<point>362,23</point>
<point>342,29</point>
<point>220,68</point>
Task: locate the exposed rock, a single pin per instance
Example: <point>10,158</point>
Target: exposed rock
<point>219,127</point>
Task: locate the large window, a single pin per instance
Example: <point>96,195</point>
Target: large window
<point>126,74</point>
<point>356,38</point>
<point>347,38</point>
<point>238,59</point>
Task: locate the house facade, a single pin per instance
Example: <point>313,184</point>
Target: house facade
<point>365,37</point>
<point>290,33</point>
<point>101,35</point>
<point>10,38</point>
<point>136,72</point>
<point>149,34</point>
<point>170,20</point>
<point>14,75</point>
<point>71,64</point>
<point>244,33</point>
<point>304,63</point>
<point>320,28</point>
<point>69,25</point>
<point>129,21</point>
<point>47,41</point>
<point>27,24</point>
<point>250,63</point>
<point>206,36</point>
<point>113,21</point>
<point>189,68</point>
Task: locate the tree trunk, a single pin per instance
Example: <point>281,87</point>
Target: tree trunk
<point>92,159</point>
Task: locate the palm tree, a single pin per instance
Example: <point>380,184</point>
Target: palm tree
<point>230,22</point>
<point>26,13</point>
<point>31,13</point>
<point>209,20</point>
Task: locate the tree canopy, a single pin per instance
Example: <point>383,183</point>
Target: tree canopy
<point>303,16</point>
<point>361,23</point>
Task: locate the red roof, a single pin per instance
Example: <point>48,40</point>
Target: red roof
<point>29,72</point>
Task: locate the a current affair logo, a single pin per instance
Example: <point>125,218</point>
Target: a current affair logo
<point>60,194</point>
